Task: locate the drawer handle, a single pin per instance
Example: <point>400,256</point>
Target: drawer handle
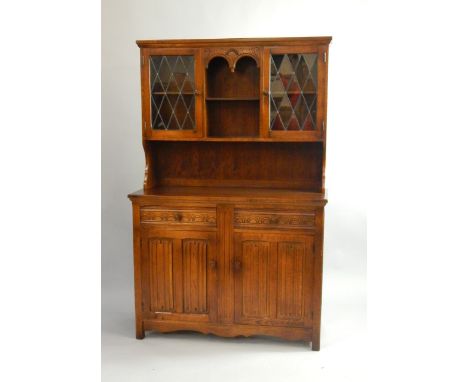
<point>178,217</point>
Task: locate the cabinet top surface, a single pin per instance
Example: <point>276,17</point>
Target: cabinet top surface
<point>230,193</point>
<point>235,41</point>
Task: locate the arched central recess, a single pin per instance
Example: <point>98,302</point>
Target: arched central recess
<point>232,98</point>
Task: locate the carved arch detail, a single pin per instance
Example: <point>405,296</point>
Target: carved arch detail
<point>232,55</point>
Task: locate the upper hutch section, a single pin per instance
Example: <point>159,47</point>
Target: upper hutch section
<point>235,89</point>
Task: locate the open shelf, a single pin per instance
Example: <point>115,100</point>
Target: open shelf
<point>233,98</point>
<point>234,118</point>
<point>283,165</point>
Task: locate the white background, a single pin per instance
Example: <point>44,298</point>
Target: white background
<point>396,148</point>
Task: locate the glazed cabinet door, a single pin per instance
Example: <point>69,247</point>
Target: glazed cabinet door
<point>171,93</point>
<point>294,90</point>
<point>179,275</point>
<point>273,279</point>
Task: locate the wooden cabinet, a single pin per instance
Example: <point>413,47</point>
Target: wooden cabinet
<point>228,228</point>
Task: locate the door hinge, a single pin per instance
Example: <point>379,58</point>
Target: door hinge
<point>325,57</point>
<point>323,125</point>
<point>142,60</point>
<point>145,125</point>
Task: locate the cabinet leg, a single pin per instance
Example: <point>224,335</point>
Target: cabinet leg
<point>140,332</point>
<point>316,341</point>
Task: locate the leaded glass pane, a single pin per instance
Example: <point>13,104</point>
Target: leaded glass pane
<point>172,92</point>
<point>293,91</point>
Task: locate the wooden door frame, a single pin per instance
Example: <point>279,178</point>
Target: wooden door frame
<point>148,132</point>
<point>314,135</point>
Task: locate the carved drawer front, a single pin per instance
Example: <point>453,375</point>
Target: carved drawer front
<point>274,219</point>
<point>161,215</point>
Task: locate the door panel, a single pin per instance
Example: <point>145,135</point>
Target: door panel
<point>161,257</point>
<point>179,274</point>
<point>256,259</point>
<point>273,279</point>
<point>194,260</point>
<point>172,82</point>
<point>291,266</point>
<point>254,267</point>
<point>294,92</point>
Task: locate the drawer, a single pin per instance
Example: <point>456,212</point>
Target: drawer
<point>274,219</point>
<point>162,215</point>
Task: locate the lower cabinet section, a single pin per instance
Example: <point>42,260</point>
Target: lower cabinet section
<point>273,279</point>
<point>233,277</point>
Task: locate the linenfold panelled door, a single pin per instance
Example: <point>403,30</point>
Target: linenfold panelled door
<point>273,278</point>
<point>179,275</point>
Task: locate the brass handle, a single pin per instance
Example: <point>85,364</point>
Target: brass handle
<point>212,264</point>
<point>237,265</point>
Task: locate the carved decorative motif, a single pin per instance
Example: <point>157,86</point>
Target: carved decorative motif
<point>285,220</point>
<point>232,55</point>
<point>163,216</point>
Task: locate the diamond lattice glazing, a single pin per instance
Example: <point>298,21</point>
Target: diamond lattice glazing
<point>173,92</point>
<point>293,91</point>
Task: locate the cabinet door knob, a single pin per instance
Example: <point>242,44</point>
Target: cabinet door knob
<point>197,92</point>
<point>212,264</point>
<point>266,92</point>
<point>237,265</point>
